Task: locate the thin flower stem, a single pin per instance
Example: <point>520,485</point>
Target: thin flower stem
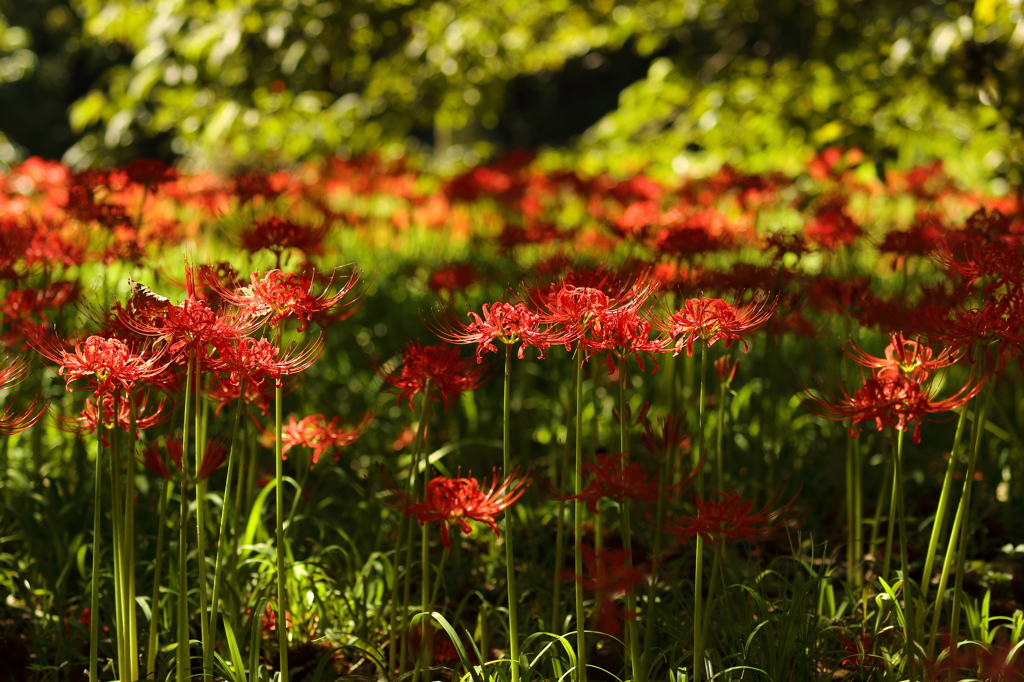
<point>965,526</point>
<point>698,615</point>
<point>632,631</point>
<point>282,593</point>
<point>651,604</point>
<point>858,516</point>
<point>222,540</point>
<point>581,617</point>
<point>851,560</point>
<point>418,443</point>
<point>880,506</point>
<point>910,646</point>
<point>117,512</point>
<point>890,526</point>
<point>510,570</point>
<point>595,435</point>
<point>183,670</point>
<point>424,662</point>
<point>720,450</point>
<point>129,535</point>
<point>94,597</point>
<point>158,564</point>
<point>698,587</point>
<point>201,487</point>
<point>940,593</point>
<point>940,511</point>
<point>717,572</point>
<point>556,594</point>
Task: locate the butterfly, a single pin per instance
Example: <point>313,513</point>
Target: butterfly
<point>144,301</point>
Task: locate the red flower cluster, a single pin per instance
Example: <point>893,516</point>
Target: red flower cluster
<point>318,435</point>
<point>607,575</point>
<point>440,367</point>
<point>457,501</point>
<point>726,517</point>
<point>711,319</point>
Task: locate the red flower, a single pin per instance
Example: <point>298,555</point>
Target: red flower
<point>456,501</point>
<point>572,310</point>
<point>454,277</point>
<point>726,367</point>
<point>107,364</point>
<point>894,401</point>
<point>90,418</point>
<point>607,575</point>
<point>150,172</point>
<point>622,332</point>
<point>248,360</point>
<point>278,234</point>
<point>727,517</point>
<point>11,420</point>
<point>448,374</point>
<point>214,455</point>
<point>711,319</point>
<point>314,432</point>
<point>609,479</point>
<point>509,323</point>
<point>280,295</point>
<point>861,650</point>
<point>906,358</point>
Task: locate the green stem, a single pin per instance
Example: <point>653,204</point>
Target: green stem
<point>282,594</point>
<point>698,616</point>
<point>418,447</point>
<point>581,617</point>
<point>720,450</point>
<point>699,450</point>
<point>201,488</point>
<point>158,562</point>
<point>222,541</point>
<point>851,560</point>
<point>632,631</point>
<point>940,593</point>
<point>184,662</point>
<point>910,647</point>
<point>510,571</point>
<point>940,510</point>
<point>651,603</point>
<point>129,545</point>
<point>965,526</point>
<point>94,597</point>
<point>120,584</point>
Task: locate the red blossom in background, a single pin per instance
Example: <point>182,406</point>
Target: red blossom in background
<point>214,455</point>
<point>456,501</point>
<point>911,359</point>
<point>318,435</point>
<point>607,479</point>
<point>607,575</point>
<point>507,323</point>
<point>280,295</point>
<point>278,234</point>
<point>711,319</point>
<point>727,517</point>
<point>448,374</point>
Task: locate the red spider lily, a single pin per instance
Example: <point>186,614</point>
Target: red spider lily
<point>903,357</point>
<point>667,438</point>
<point>106,364</point>
<point>319,435</point>
<point>280,295</point>
<point>222,389</point>
<point>607,575</point>
<point>278,234</point>
<point>185,328</point>
<point>711,319</point>
<point>622,332</point>
<point>832,228</point>
<point>22,305</point>
<point>727,517</point>
<point>150,172</point>
<point>249,360</point>
<point>609,479</point>
<point>861,650</point>
<point>214,455</point>
<point>456,501</point>
<point>454,277</point>
<point>572,309</point>
<point>726,367</point>
<point>509,323</point>
<point>255,184</point>
<point>894,401</point>
<point>13,421</point>
<point>100,411</point>
<point>448,374</point>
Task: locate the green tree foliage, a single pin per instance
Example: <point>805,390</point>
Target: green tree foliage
<point>755,83</point>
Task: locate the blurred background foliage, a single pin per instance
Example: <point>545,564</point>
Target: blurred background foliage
<point>672,87</point>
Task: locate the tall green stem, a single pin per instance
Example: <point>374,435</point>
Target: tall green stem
<point>698,586</point>
<point>698,452</point>
<point>632,631</point>
<point>158,564</point>
<point>581,618</point>
<point>282,594</point>
<point>940,510</point>
<point>720,432</point>
<point>965,526</point>
<point>201,487</point>
<point>910,648</point>
<point>184,663</point>
<point>120,582</point>
<point>417,450</point>
<point>510,570</point>
<point>222,541</point>
<point>94,597</point>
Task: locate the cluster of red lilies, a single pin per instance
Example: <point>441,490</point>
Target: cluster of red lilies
<point>687,258</point>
